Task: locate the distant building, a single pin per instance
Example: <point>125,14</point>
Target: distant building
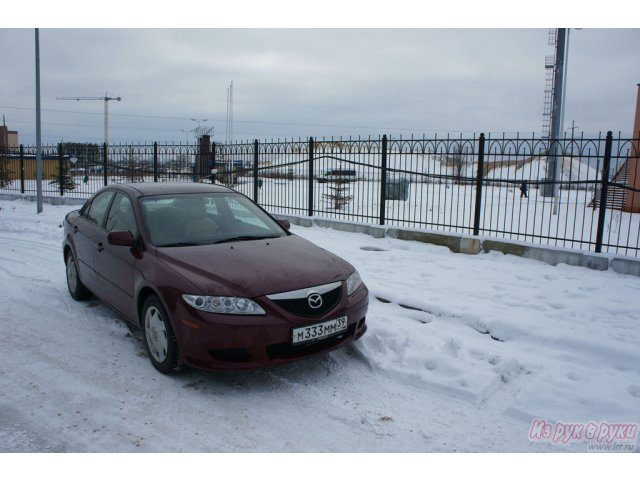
<point>8,138</point>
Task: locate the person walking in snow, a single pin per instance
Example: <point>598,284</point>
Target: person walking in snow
<point>523,190</point>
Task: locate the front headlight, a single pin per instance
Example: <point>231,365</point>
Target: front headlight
<point>228,305</point>
<point>353,282</point>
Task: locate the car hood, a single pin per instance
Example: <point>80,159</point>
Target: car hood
<point>256,267</point>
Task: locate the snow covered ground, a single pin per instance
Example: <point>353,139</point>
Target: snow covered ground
<point>463,353</point>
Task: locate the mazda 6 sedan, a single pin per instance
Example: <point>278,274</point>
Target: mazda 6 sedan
<point>212,280</point>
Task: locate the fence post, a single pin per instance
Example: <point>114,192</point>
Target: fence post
<point>479,178</point>
<point>603,191</point>
<point>256,147</point>
<point>155,162</point>
<point>60,172</point>
<point>21,168</point>
<point>383,182</point>
<point>104,163</point>
<point>311,153</point>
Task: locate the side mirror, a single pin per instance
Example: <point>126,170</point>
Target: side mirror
<point>284,223</point>
<point>121,239</point>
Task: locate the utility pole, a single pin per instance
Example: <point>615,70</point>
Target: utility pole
<point>106,100</point>
<point>573,129</point>
<point>573,136</point>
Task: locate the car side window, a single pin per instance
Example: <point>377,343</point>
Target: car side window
<point>121,216</point>
<point>98,208</point>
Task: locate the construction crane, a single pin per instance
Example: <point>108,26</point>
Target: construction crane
<point>106,98</point>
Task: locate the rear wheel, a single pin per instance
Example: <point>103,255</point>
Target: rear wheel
<point>159,339</point>
<point>77,290</point>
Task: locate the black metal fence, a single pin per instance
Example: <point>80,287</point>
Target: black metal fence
<point>571,193</point>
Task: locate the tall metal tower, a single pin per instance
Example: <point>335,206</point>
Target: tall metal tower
<point>549,66</point>
<point>555,82</point>
<point>556,68</point>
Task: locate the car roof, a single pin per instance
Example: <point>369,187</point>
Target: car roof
<point>163,188</point>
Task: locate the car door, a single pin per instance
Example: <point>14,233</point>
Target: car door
<point>115,265</point>
<point>88,231</point>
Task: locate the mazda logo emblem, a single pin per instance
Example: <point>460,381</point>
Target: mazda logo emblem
<point>314,300</point>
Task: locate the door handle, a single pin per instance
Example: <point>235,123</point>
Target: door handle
<point>75,229</point>
<point>99,246</point>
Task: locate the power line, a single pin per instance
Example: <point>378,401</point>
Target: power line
<point>244,122</point>
<point>251,122</point>
<point>76,112</point>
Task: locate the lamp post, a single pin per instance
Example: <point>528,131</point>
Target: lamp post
<point>197,130</point>
<point>38,129</point>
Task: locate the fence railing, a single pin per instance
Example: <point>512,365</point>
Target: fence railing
<point>573,192</point>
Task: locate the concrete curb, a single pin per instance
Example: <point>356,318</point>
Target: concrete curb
<point>373,230</point>
<point>470,245</point>
<point>457,244</point>
<point>550,255</point>
<point>626,266</point>
<point>49,200</point>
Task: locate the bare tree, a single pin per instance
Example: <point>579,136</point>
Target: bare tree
<point>459,161</point>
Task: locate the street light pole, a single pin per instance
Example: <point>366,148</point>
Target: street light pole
<point>197,129</point>
<point>38,128</point>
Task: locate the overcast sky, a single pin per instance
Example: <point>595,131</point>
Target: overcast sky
<point>311,82</point>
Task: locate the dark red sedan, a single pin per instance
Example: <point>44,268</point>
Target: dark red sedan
<point>212,280</point>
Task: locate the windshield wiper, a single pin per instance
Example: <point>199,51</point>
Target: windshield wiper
<point>180,244</point>
<point>244,238</point>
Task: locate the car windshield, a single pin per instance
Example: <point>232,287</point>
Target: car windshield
<point>205,218</point>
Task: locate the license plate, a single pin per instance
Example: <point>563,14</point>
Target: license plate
<point>318,331</point>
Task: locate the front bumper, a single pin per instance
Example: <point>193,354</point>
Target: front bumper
<point>235,342</point>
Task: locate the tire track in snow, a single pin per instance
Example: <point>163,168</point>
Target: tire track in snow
<point>29,242</point>
<point>31,254</point>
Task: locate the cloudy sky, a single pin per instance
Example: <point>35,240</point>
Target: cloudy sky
<point>311,82</point>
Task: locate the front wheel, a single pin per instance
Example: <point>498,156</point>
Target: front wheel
<point>77,290</point>
<point>159,339</point>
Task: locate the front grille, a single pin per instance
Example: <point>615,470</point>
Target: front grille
<point>300,306</point>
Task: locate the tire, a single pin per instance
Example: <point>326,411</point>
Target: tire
<point>159,339</point>
<point>77,290</point>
